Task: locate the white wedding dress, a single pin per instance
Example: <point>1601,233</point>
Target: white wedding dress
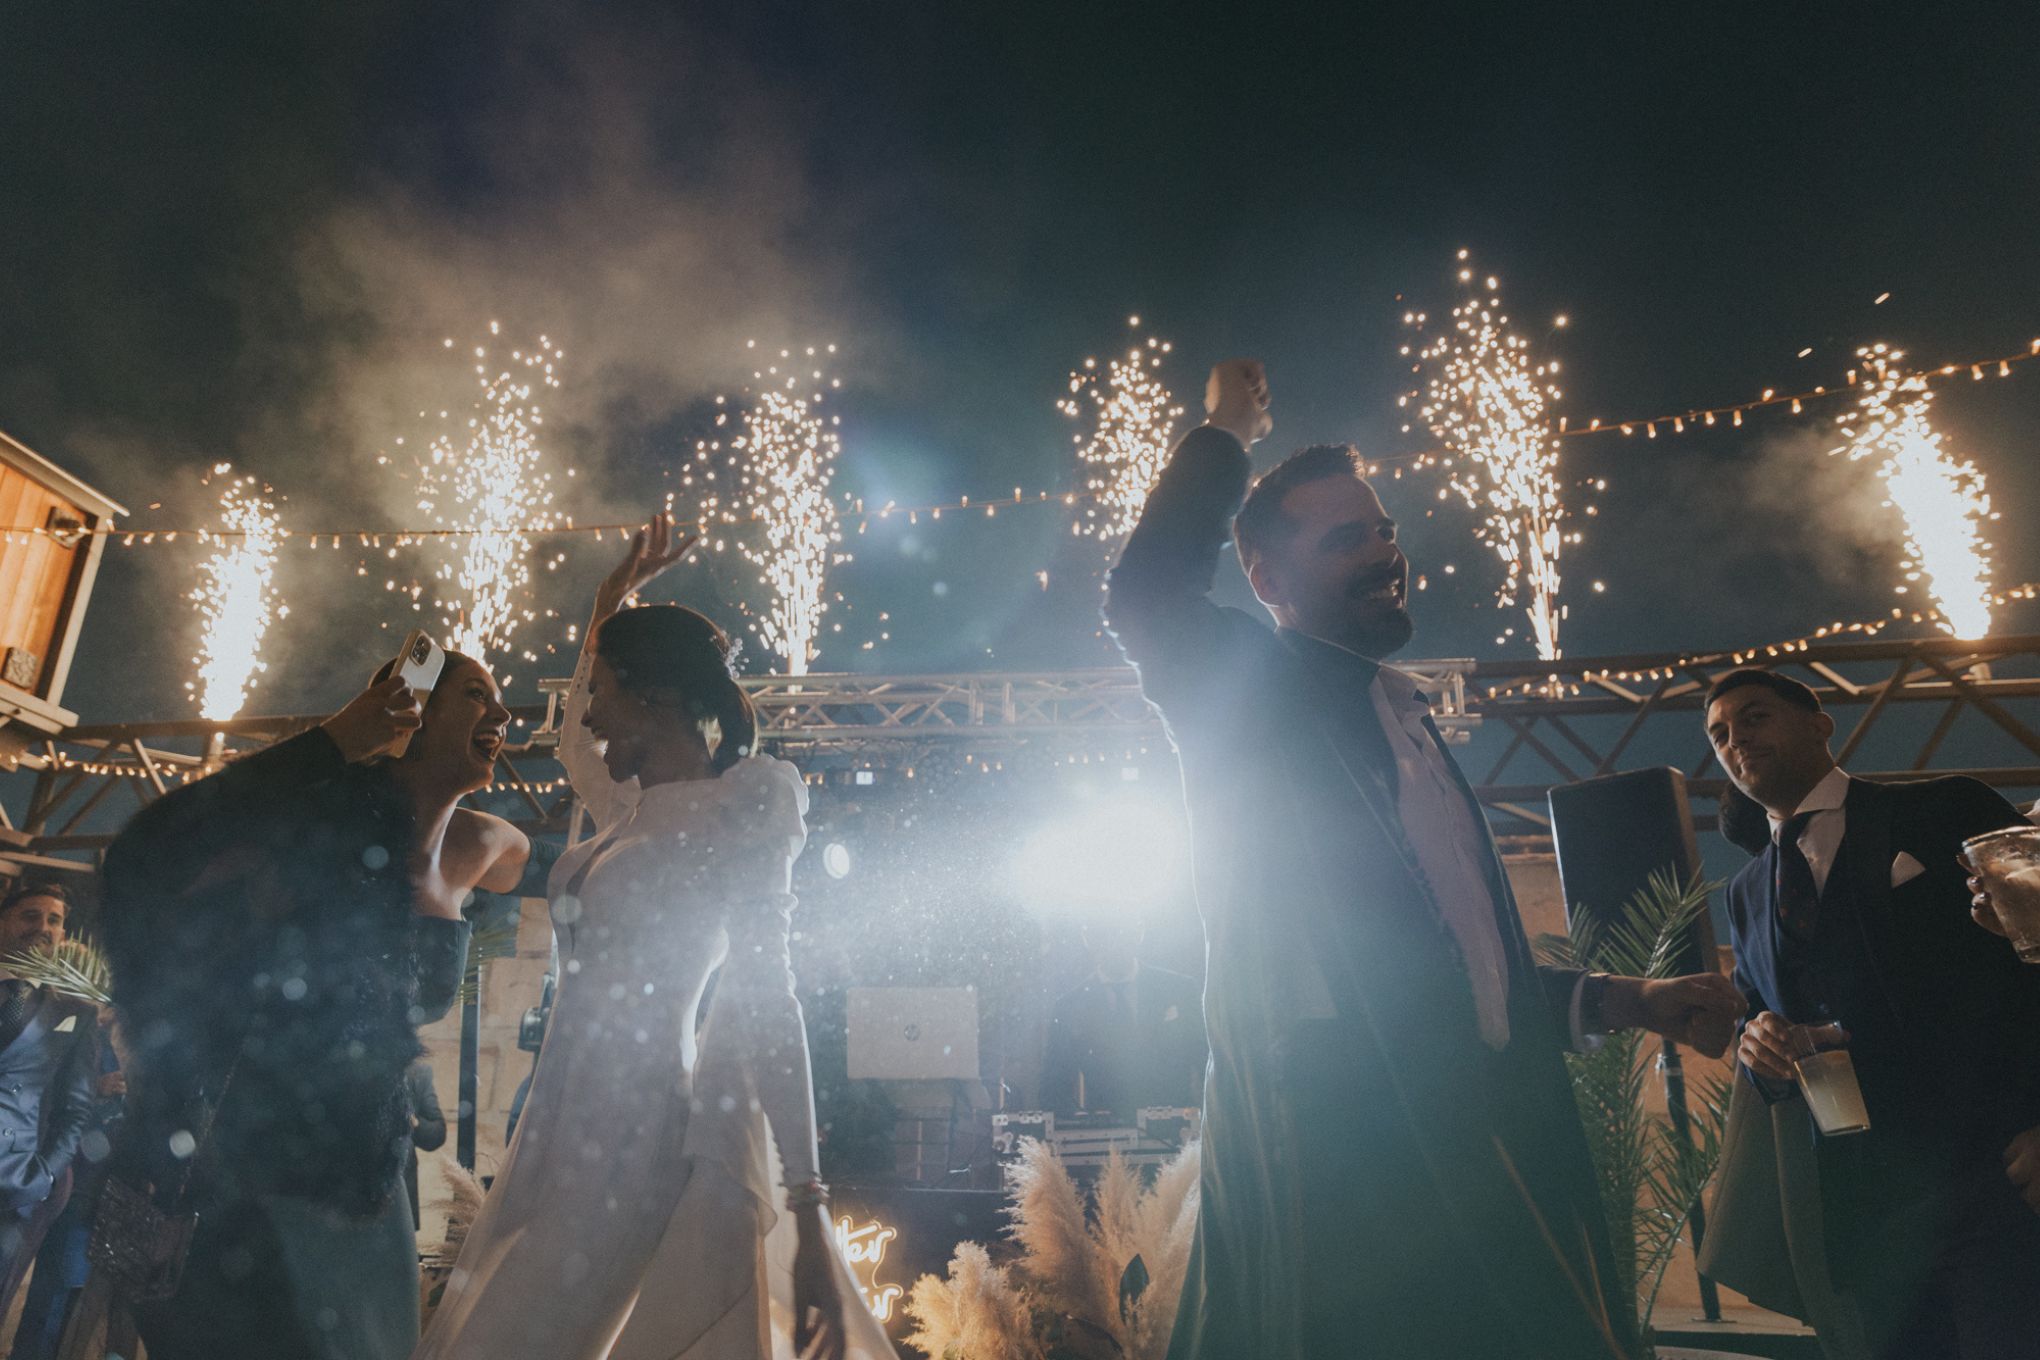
<point>637,1215</point>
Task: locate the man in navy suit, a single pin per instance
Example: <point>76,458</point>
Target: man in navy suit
<point>1851,927</point>
<point>48,1045</point>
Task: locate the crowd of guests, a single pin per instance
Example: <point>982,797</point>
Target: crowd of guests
<point>1393,1164</point>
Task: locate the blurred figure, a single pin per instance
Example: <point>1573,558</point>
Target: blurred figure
<point>278,930</point>
<point>1131,1036</point>
<point>48,1042</point>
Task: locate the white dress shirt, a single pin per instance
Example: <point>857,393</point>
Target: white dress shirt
<point>1821,839</point>
<point>1450,845</point>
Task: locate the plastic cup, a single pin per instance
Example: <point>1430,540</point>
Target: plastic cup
<point>1827,1079</point>
<point>2008,862</point>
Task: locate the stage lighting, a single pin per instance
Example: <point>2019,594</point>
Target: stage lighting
<point>1115,853</point>
<point>836,859</point>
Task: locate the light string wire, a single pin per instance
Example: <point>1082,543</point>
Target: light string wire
<point>989,506</point>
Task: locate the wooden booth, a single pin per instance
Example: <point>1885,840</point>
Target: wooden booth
<point>53,529</point>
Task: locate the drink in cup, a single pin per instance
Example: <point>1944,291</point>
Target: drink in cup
<point>2008,862</point>
<point>1827,1078</point>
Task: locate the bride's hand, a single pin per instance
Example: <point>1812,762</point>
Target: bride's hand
<point>815,1291</point>
<point>654,550</point>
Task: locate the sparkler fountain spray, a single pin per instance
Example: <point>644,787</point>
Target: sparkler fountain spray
<point>781,504</point>
<point>1941,498</point>
<point>1488,402</point>
<point>492,480</point>
<point>1133,424</point>
<point>236,597</point>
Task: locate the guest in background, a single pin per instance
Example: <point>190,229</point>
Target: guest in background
<point>48,1041</point>
<point>61,1266</point>
<point>428,1125</point>
<point>1851,931</point>
<point>1130,1037</point>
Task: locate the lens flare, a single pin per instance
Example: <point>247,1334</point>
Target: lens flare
<point>236,596</point>
<point>491,478</point>
<point>1132,420</point>
<point>772,485</point>
<point>1941,498</point>
<point>1487,401</point>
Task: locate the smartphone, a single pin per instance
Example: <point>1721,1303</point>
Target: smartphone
<point>419,665</point>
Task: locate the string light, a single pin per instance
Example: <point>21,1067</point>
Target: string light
<point>1708,415</point>
<point>236,597</point>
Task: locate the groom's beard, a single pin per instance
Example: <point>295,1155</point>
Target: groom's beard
<point>1380,627</point>
<point>1386,635</point>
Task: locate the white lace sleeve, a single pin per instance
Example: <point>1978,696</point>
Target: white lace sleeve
<point>756,1012</point>
<point>607,800</point>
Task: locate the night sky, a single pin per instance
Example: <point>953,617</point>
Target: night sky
<point>240,232</point>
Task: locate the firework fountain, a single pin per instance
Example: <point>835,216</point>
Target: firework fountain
<point>1488,402</point>
<point>490,479</point>
<point>236,596</point>
<point>1941,498</point>
<point>772,486</point>
<point>1132,428</point>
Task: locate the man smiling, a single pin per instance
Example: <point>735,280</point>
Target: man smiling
<point>1851,929</point>
<point>1393,1163</point>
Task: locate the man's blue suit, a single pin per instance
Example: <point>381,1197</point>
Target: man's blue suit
<point>1944,1026</point>
<point>46,1073</point>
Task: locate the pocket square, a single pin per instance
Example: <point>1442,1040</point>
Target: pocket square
<point>1904,869</point>
<point>66,1025</point>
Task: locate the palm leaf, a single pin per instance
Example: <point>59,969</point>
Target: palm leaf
<point>497,940</point>
<point>75,968</point>
<point>1650,1176</point>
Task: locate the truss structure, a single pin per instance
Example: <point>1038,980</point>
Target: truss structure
<point>1904,709</point>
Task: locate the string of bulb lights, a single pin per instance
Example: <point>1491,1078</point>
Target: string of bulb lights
<point>987,507</point>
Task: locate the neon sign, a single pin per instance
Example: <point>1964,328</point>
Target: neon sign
<point>863,1251</point>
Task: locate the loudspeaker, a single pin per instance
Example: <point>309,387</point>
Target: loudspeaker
<point>1613,833</point>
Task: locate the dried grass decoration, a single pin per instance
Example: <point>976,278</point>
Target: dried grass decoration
<point>1096,1284</point>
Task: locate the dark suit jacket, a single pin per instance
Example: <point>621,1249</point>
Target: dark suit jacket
<point>1152,1056</point>
<point>1391,1106</point>
<point>1944,1021</point>
<point>262,936</point>
<point>45,1096</point>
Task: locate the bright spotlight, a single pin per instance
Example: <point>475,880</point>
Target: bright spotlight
<point>1122,852</point>
<point>836,859</point>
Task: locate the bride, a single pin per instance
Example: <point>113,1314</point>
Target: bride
<point>635,1217</point>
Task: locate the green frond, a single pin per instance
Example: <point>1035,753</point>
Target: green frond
<point>75,968</point>
<point>1649,1176</point>
<point>498,940</point>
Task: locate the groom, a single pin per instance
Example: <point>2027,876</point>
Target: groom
<point>1393,1163</point>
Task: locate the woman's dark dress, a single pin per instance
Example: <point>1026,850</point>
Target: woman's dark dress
<point>263,941</point>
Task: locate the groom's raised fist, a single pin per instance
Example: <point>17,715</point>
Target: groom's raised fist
<point>1236,400</point>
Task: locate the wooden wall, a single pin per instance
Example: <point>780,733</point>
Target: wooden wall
<point>36,574</point>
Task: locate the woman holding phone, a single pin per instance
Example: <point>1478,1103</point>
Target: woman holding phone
<point>278,930</point>
<point>637,1216</point>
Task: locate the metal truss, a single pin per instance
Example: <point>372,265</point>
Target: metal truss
<point>1526,727</point>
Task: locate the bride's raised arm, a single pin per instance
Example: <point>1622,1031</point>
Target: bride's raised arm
<point>653,549</point>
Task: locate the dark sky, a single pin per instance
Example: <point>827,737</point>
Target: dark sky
<point>240,232</point>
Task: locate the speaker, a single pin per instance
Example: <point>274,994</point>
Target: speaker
<point>1613,833</point>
